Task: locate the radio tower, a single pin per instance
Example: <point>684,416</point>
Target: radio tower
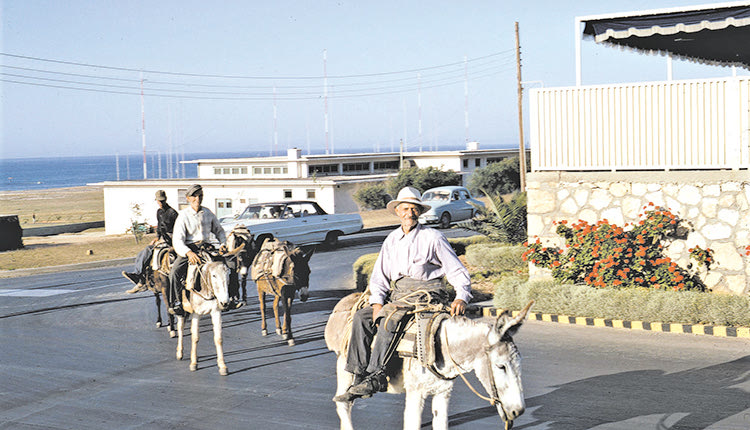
<point>143,130</point>
<point>325,95</point>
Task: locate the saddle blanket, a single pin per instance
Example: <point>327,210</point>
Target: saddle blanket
<point>420,337</point>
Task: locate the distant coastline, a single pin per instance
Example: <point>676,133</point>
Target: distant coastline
<point>20,174</point>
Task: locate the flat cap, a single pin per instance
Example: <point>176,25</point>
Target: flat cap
<point>161,196</point>
<point>194,190</point>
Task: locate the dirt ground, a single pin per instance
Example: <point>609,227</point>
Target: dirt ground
<point>82,204</point>
<point>54,206</point>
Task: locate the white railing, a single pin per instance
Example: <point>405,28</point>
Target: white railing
<point>696,124</point>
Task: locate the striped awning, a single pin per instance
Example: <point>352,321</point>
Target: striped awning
<point>713,34</point>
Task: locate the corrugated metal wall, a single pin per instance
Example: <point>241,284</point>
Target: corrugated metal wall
<point>696,124</point>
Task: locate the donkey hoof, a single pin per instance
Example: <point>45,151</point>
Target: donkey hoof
<point>193,367</point>
<point>178,356</point>
<point>172,333</point>
<point>264,332</point>
<point>158,324</point>
<point>290,342</point>
<point>223,371</point>
<point>284,336</point>
<point>278,331</point>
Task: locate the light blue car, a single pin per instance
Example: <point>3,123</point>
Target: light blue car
<point>448,205</point>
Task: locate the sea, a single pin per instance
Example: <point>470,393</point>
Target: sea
<point>19,174</point>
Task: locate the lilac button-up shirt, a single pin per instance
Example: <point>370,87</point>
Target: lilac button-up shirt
<point>423,254</point>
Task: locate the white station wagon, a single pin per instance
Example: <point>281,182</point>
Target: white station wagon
<point>300,222</point>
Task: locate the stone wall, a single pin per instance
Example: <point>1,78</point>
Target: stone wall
<point>716,205</point>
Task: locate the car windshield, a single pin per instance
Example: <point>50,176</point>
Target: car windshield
<point>280,211</point>
<point>262,211</point>
<point>437,195</point>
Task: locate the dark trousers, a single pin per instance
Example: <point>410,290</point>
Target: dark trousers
<point>176,276</point>
<point>142,260</point>
<point>361,358</point>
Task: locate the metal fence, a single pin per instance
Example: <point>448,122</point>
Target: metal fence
<point>695,124</point>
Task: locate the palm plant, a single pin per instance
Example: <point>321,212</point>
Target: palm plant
<point>502,221</point>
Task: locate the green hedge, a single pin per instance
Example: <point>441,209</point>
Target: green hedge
<point>686,307</point>
<point>497,257</point>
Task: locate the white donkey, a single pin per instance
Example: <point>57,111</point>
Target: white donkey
<point>464,345</point>
<point>212,298</point>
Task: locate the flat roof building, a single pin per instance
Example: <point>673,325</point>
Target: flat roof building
<point>232,183</point>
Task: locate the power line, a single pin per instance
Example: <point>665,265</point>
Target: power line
<point>222,95</point>
<point>72,63</point>
<point>256,97</point>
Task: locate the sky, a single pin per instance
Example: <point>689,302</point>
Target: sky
<point>265,76</point>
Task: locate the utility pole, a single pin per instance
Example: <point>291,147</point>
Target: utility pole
<point>521,145</point>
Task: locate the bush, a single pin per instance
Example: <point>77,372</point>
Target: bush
<point>423,179</point>
<point>372,196</point>
<point>497,257</point>
<point>685,307</point>
<point>497,178</point>
<point>605,255</point>
<point>363,269</point>
<point>501,222</point>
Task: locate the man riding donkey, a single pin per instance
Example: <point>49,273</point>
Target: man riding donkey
<point>409,270</point>
<point>165,217</point>
<point>192,231</point>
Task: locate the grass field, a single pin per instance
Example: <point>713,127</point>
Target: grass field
<point>82,204</point>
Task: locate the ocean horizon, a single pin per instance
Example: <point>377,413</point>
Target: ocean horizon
<point>21,174</point>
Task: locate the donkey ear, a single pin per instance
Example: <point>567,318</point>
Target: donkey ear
<point>506,325</point>
<point>307,252</point>
<point>237,250</point>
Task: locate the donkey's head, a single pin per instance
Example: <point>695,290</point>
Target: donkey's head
<point>501,372</point>
<point>299,269</point>
<point>215,275</point>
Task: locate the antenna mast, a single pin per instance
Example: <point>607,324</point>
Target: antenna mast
<point>325,95</point>
<point>466,97</point>
<point>143,130</point>
<point>419,104</point>
<point>275,128</point>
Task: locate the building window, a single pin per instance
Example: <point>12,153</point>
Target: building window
<point>230,170</point>
<point>323,169</point>
<point>466,164</point>
<point>257,170</point>
<point>287,194</point>
<point>311,194</point>
<point>356,167</point>
<point>385,165</point>
<point>477,162</point>
<point>495,160</point>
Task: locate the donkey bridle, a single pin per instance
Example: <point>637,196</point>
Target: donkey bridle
<point>495,399</point>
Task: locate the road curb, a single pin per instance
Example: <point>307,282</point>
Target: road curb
<point>696,329</point>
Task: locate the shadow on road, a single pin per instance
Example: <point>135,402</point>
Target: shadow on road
<point>704,396</point>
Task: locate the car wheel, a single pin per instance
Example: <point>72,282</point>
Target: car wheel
<point>332,239</point>
<point>445,220</point>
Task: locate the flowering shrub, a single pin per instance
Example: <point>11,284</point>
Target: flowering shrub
<point>606,255</point>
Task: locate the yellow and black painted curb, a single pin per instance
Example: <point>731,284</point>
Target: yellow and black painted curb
<point>699,329</point>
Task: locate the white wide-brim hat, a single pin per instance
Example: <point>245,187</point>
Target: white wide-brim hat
<point>408,195</point>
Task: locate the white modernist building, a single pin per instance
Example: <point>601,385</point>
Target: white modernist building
<point>230,184</point>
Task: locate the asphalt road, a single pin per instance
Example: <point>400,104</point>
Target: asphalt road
<point>76,352</point>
